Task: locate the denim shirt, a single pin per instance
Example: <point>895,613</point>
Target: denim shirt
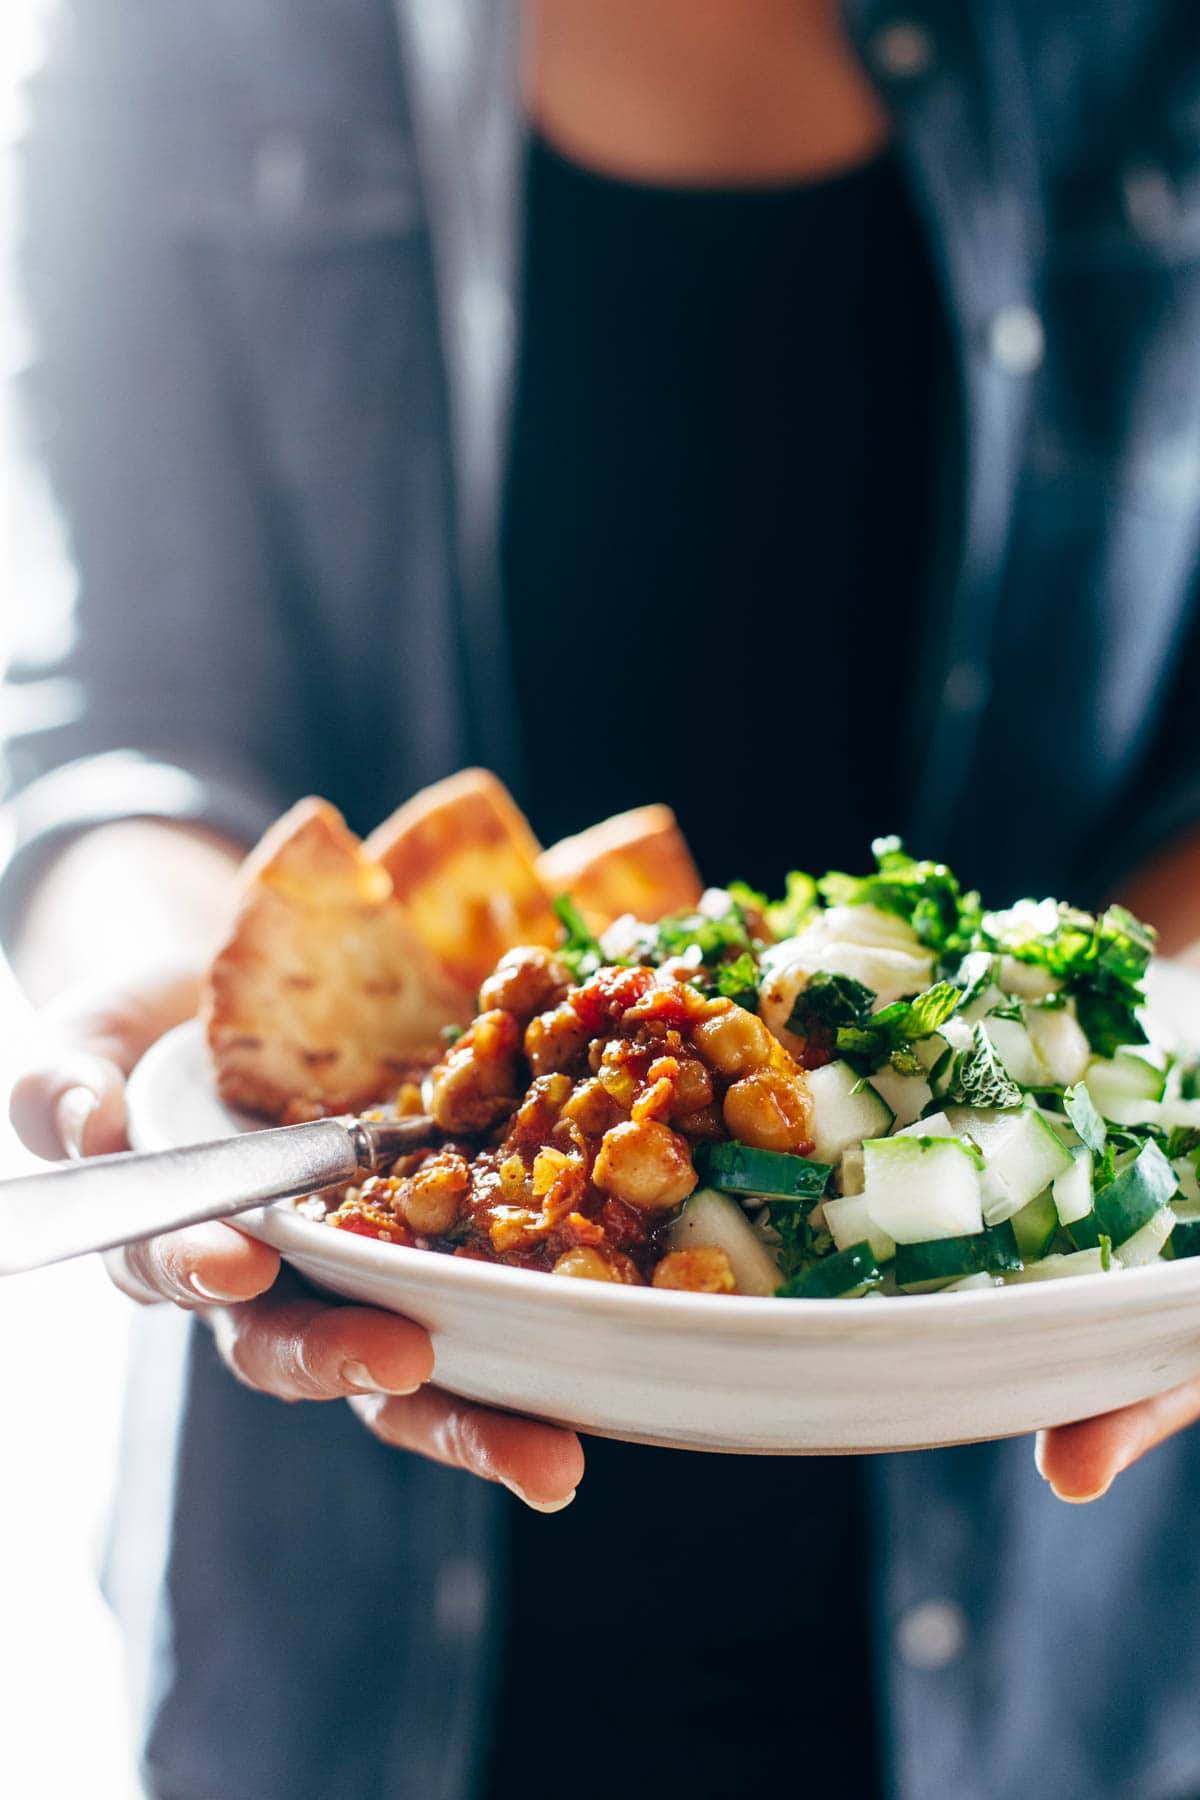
<point>270,256</point>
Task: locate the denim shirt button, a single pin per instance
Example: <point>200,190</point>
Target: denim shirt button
<point>1016,340</point>
<point>901,51</point>
<point>932,1634</point>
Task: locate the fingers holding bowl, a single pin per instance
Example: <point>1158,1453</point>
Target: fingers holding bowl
<point>296,1347</point>
<point>1082,1461</point>
<point>541,1464</point>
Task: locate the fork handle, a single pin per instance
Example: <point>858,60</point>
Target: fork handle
<point>108,1200</point>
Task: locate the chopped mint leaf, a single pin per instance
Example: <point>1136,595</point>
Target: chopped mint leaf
<point>1105,1252</point>
<point>926,894</point>
<point>1081,1110</point>
<point>738,980</point>
<point>788,917</point>
<point>1182,1140</point>
<point>979,1078</point>
<point>892,1031</point>
<point>1101,961</point>
<point>580,949</point>
<point>1011,1009</point>
<point>831,1000</point>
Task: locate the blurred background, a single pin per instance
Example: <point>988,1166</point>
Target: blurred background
<point>63,1332</point>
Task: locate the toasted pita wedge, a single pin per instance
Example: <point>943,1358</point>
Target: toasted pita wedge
<point>324,995</point>
<point>461,860</point>
<point>637,862</point>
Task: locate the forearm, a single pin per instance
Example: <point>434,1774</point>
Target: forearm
<point>1166,893</point>
<point>133,896</point>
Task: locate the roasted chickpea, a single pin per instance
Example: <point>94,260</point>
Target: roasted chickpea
<point>645,1164</point>
<point>584,1264</point>
<point>432,1198</point>
<point>554,1039</point>
<point>734,1042</point>
<point>693,1087</point>
<point>703,1270</point>
<point>770,1110</point>
<point>525,981</point>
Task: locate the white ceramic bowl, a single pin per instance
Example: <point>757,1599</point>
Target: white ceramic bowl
<point>712,1373</point>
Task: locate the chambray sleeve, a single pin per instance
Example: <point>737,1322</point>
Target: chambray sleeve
<point>170,697</point>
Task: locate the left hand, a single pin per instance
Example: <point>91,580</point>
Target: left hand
<point>1082,1461</point>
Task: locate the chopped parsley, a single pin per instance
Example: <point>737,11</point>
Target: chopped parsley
<point>580,949</point>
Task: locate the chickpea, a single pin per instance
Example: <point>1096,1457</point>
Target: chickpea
<point>584,1264</point>
<point>706,1122</point>
<point>592,1108</point>
<point>432,1198</point>
<point>554,1039</point>
<point>703,1270</point>
<point>645,1164</point>
<point>770,1110</point>
<point>734,1042</point>
<point>525,981</point>
<point>693,1087</point>
<point>476,1083</point>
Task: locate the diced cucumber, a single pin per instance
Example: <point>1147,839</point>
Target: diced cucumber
<point>849,1221</point>
<point>971,1283</point>
<point>850,1171</point>
<point>1185,1239</point>
<point>921,1188</point>
<point>715,1221</point>
<point>989,996</point>
<point>1074,1262</point>
<point>1036,1226</point>
<point>742,1169</point>
<point>839,1277</point>
<point>1022,1155</point>
<point>1028,981</point>
<point>1189,1185</point>
<point>1072,1190</point>
<point>890,974</point>
<point>1179,1112</point>
<point>1122,1085</point>
<point>844,1111</point>
<point>1147,1244</point>
<point>906,1095</point>
<point>869,925</point>
<point>922,1267</point>
<point>1058,1043</point>
<point>935,1126</point>
<point>1130,1201</point>
<point>1014,1046</point>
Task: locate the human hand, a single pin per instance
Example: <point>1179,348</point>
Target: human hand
<point>1082,1461</point>
<point>273,1333</point>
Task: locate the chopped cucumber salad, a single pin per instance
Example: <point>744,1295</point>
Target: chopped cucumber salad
<point>986,1105</point>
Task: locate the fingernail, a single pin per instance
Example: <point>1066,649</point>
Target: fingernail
<point>542,1506</point>
<point>1039,1455</point>
<point>1080,1499</point>
<point>71,1115</point>
<point>207,1293</point>
<point>357,1375</point>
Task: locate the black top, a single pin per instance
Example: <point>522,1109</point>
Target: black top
<point>715,532</point>
<point>717,508</point>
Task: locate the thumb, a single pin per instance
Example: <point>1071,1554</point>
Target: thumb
<point>73,1106</point>
<point>71,1100</point>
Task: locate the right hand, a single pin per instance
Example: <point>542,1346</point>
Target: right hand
<point>272,1331</point>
